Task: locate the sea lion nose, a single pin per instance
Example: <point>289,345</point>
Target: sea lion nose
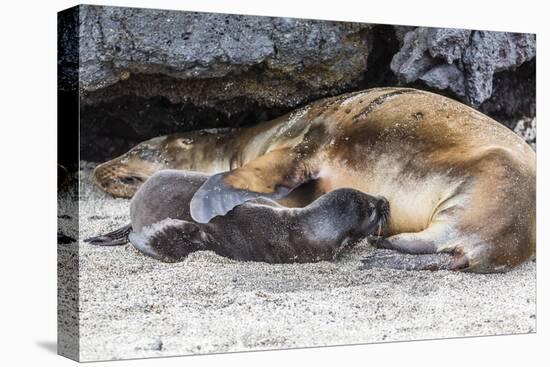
<point>383,205</point>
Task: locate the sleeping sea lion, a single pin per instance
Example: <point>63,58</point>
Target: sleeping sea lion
<point>259,230</point>
<point>458,182</point>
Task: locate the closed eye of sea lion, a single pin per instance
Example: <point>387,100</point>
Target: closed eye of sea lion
<point>259,230</point>
<point>457,181</point>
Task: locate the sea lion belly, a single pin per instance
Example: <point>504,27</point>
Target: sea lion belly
<point>413,200</point>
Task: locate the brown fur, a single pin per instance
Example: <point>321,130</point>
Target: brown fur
<point>453,176</point>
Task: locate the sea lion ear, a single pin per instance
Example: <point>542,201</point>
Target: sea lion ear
<point>271,176</point>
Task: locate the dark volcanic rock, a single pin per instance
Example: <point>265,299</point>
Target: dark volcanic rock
<point>67,49</point>
<point>462,61</point>
<point>145,73</point>
<point>274,61</point>
<point>514,95</point>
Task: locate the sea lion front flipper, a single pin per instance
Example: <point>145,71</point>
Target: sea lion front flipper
<point>271,176</point>
<point>387,259</point>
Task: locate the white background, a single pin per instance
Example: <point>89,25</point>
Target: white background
<point>28,181</point>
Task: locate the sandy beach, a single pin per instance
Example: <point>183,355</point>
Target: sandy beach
<point>133,306</point>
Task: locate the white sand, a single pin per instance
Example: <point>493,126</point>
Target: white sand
<point>134,306</point>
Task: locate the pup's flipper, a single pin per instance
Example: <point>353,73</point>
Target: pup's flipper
<point>272,176</point>
<point>400,261</point>
<point>169,240</point>
<point>114,238</point>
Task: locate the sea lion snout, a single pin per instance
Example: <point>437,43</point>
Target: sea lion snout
<point>118,180</point>
<point>376,215</point>
<point>381,214</point>
<point>383,207</point>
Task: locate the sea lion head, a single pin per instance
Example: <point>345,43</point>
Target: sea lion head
<point>362,213</point>
<point>122,176</point>
<point>200,150</point>
<point>374,214</point>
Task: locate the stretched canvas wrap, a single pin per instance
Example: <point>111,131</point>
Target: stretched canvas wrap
<point>232,183</point>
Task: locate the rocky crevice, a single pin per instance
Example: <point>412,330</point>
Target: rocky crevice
<point>145,73</point>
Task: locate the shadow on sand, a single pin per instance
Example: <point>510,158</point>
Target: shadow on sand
<point>50,346</point>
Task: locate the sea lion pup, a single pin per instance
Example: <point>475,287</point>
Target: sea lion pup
<point>457,181</point>
<point>259,230</point>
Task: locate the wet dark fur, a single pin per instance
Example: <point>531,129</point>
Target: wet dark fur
<point>259,230</point>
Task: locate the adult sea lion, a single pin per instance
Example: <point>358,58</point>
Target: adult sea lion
<point>457,181</point>
<point>259,230</point>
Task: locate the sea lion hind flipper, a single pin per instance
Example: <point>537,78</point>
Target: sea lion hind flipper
<point>169,240</point>
<point>387,259</point>
<point>117,237</point>
<point>271,176</point>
